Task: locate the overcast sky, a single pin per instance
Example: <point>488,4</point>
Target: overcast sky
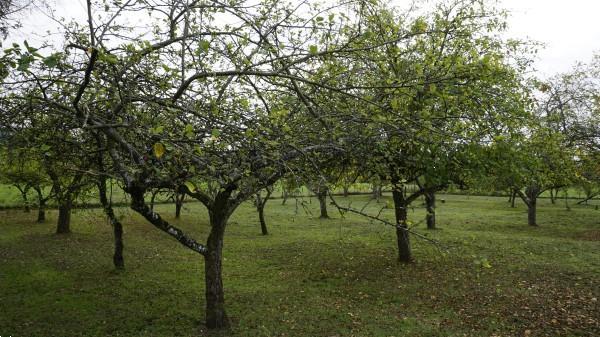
<point>568,28</point>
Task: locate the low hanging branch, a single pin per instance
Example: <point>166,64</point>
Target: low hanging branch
<point>385,222</point>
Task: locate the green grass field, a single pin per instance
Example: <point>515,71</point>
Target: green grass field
<point>493,275</point>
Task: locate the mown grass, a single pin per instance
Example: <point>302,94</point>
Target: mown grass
<point>310,277</point>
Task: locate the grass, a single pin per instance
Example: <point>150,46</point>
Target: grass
<point>310,277</point>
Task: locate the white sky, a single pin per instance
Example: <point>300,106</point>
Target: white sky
<point>568,28</point>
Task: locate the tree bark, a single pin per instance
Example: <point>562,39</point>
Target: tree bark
<point>41,211</point>
<point>179,197</point>
<point>64,217</point>
<point>284,196</point>
<point>260,207</point>
<point>404,251</point>
<point>118,260</point>
<point>216,317</point>
<point>552,196</point>
<point>531,213</point>
<point>23,192</point>
<point>532,193</point>
<point>322,195</point>
<point>430,205</point>
<point>377,192</point>
<point>152,198</point>
<point>513,197</point>
<point>41,205</point>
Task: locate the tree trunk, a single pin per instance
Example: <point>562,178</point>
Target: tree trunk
<point>531,213</point>
<point>400,207</point>
<point>346,191</point>
<point>152,198</point>
<point>552,196</point>
<point>284,196</point>
<point>322,195</point>
<point>513,197</point>
<point>23,192</point>
<point>216,317</point>
<point>41,211</point>
<point>532,193</point>
<point>41,205</point>
<point>260,207</point>
<point>430,204</point>
<point>118,260</point>
<point>179,197</point>
<point>64,217</point>
<point>376,192</point>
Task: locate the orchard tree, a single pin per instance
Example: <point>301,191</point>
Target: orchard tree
<point>533,164</point>
<point>214,104</point>
<point>447,85</point>
<point>21,168</point>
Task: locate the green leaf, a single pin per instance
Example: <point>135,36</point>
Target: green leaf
<point>190,185</point>
<point>52,60</point>
<point>189,131</point>
<point>313,49</point>
<point>159,150</point>
<point>204,45</point>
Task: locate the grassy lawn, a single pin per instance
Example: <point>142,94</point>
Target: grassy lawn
<point>493,275</point>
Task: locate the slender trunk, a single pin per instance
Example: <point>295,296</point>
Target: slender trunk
<point>322,195</point>
<point>152,198</point>
<point>513,197</point>
<point>64,217</point>
<point>346,192</point>
<point>284,196</point>
<point>260,207</point>
<point>532,193</point>
<point>24,191</point>
<point>216,317</point>
<point>400,207</point>
<point>553,195</point>
<point>179,197</point>
<point>376,192</point>
<point>430,204</point>
<point>41,205</point>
